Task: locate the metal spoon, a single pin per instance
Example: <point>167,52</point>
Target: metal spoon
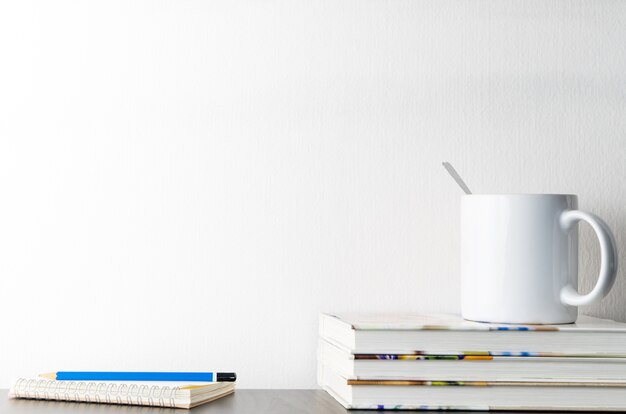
<point>456,177</point>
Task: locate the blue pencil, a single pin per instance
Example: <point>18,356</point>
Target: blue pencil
<point>140,376</point>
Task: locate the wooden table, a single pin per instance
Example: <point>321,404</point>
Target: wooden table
<point>241,402</point>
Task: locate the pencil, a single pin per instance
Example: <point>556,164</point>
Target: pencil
<point>140,376</point>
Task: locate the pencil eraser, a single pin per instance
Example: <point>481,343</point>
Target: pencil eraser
<point>226,376</point>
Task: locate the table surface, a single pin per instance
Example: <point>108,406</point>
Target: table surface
<point>241,402</point>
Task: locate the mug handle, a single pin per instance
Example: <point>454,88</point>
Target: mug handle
<point>608,255</point>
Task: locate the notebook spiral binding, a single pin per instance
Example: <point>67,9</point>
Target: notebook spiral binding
<point>95,392</point>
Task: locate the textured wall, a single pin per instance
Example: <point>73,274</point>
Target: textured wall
<point>185,185</point>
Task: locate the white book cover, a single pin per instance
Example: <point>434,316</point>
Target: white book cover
<point>368,333</point>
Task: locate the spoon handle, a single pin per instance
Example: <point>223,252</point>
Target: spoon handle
<point>456,177</point>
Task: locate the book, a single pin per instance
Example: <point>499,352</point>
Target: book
<point>469,367</point>
<point>158,394</point>
<point>473,395</point>
<point>407,334</point>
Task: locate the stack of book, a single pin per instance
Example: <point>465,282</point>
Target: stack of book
<point>440,362</point>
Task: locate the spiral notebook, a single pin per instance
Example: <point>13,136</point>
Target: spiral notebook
<point>159,394</point>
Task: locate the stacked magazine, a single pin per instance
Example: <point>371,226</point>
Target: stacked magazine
<point>437,362</point>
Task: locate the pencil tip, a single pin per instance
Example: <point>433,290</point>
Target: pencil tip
<point>49,375</point>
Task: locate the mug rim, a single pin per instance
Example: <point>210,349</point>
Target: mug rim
<point>520,195</point>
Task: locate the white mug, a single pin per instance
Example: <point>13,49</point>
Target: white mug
<point>519,258</point>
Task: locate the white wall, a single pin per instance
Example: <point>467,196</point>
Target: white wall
<point>186,184</point>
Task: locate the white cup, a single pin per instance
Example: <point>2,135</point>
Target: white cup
<point>519,258</point>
